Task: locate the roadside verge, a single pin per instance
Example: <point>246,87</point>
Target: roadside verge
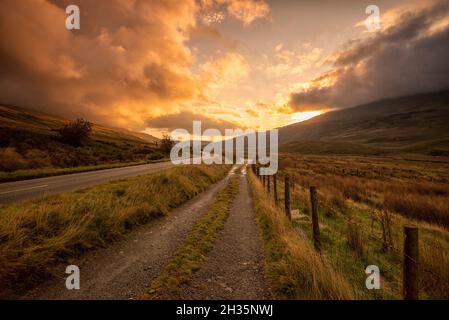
<point>292,267</point>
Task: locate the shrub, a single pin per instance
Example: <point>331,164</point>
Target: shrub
<point>76,133</point>
<point>166,144</point>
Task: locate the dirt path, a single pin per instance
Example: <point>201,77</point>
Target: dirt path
<point>234,268</point>
<point>125,269</point>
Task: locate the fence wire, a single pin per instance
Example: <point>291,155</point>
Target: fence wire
<point>399,254</point>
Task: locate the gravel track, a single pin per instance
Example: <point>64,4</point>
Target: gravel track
<point>235,267</point>
<point>125,269</point>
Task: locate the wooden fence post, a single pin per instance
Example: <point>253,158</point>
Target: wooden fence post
<point>288,212</point>
<point>411,260</point>
<point>315,222</point>
<point>275,189</point>
<point>264,181</point>
<point>269,184</point>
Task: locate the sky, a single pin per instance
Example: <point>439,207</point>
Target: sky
<point>155,66</point>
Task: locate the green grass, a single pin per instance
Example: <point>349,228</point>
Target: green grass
<point>48,172</point>
<point>38,235</point>
<point>198,243</point>
<point>353,193</point>
<point>352,263</point>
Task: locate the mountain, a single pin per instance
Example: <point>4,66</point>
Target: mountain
<point>412,124</point>
<point>29,140</point>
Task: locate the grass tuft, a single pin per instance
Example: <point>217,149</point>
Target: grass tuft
<point>292,267</point>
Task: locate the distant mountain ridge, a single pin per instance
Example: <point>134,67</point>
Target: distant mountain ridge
<point>410,124</point>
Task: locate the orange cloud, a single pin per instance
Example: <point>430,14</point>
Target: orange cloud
<point>246,11</point>
<point>128,54</point>
<point>225,70</point>
<point>252,113</point>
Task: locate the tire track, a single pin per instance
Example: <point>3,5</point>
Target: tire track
<point>235,267</point>
<point>123,270</point>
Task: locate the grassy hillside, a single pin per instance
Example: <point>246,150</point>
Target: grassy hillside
<point>412,124</point>
<point>29,141</point>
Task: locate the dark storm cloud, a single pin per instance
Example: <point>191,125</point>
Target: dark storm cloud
<point>406,58</point>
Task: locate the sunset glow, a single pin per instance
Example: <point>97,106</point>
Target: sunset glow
<point>154,66</point>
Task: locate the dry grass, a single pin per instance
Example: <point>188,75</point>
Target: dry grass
<point>293,269</point>
<point>434,270</point>
<point>429,208</point>
<point>37,235</point>
<point>354,237</point>
<point>415,189</point>
<point>364,204</point>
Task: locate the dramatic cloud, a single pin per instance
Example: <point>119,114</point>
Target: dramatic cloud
<point>136,63</point>
<point>246,11</point>
<point>289,62</point>
<point>407,57</point>
<point>225,70</point>
<point>128,61</point>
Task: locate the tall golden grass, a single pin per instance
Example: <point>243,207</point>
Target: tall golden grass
<point>293,269</point>
<point>37,235</point>
<point>434,271</point>
<point>381,202</point>
<point>395,186</point>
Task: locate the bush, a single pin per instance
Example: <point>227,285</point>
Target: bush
<point>166,144</point>
<point>155,156</point>
<point>76,133</point>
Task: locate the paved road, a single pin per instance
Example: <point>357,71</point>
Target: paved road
<point>37,188</point>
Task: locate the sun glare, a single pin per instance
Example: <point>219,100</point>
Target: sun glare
<point>303,116</point>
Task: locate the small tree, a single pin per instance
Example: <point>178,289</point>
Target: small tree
<point>76,132</point>
<point>166,144</point>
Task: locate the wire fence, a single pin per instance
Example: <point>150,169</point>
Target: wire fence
<point>404,258</point>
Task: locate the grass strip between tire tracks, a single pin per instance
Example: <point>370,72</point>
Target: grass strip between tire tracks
<point>198,243</point>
